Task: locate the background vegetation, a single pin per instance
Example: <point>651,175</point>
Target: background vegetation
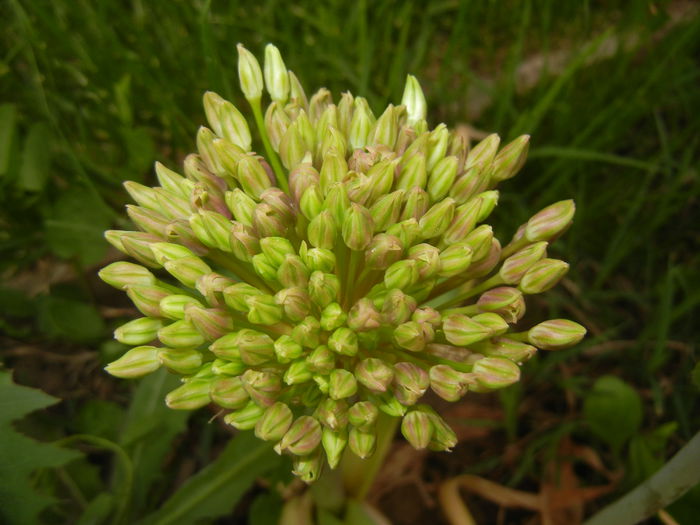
<point>92,93</point>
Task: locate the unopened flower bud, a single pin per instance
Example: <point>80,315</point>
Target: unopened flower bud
<point>253,177</point>
<point>427,259</point>
<point>556,334</point>
<point>338,202</point>
<point>387,403</point>
<point>212,229</point>
<point>448,383</point>
<point>438,140</point>
<point>401,274</point>
<point>226,121</point>
<point>442,178</point>
<point>212,323</point>
<point>297,372</point>
<point>505,301</point>
<point>262,387</point>
<point>136,362</point>
<point>180,334</point>
<point>307,332</point>
<point>245,418</point>
<point>322,230</point>
<point>397,307</point>
<point>510,159</point>
<point>414,100</point>
<point>383,251</point>
<point>147,298</point>
<point>479,240</point>
<point>295,303</point>
<point>286,349</point>
<point>321,360</point>
<point>515,266</point>
<point>417,428</point>
<point>255,348</point>
<point>135,244</point>
<point>363,415</point>
<point>386,129</point>
<point>311,202</point>
<point>543,275</point>
<point>407,231</point>
<point>487,202</point>
<point>483,153</point>
<point>187,270</point>
<point>181,360</point>
<point>491,373</point>
<point>362,443</point>
<point>429,315</point>
<point>263,310</point>
<point>172,182</point>
<point>516,351</point>
<point>486,264</point>
<point>460,330</point>
<point>139,331</point>
<point>122,274</point>
<point>302,438</point>
<point>276,76</point>
<point>550,222</point>
<point>308,468</point>
<point>437,219</point>
<point>381,178</point>
<point>386,210</point>
<point>274,422</point>
<point>190,396</point>
<point>410,336</point>
<point>334,442</point>
<point>342,384</point>
<point>228,392</point>
<point>332,317</point>
<point>455,259</point>
<point>494,322</point>
<point>357,227</point>
<point>411,382</point>
<point>413,174</point>
<point>333,170</point>
<point>363,316</point>
<point>361,124</point>
<point>374,374</point>
<point>237,294</point>
<point>343,341</point>
<point>241,205</point>
<point>319,259</point>
<point>249,74</point>
<point>333,413</point>
<point>323,288</point>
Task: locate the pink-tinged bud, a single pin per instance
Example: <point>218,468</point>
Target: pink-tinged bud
<point>139,331</point>
<point>249,74</point>
<point>493,322</point>
<point>359,187</point>
<point>444,438</point>
<point>307,332</point>
<point>172,206</point>
<point>407,231</point>
<point>474,181</point>
<point>363,415</point>
<point>297,95</point>
<point>549,223</point>
<point>173,306</point>
<point>293,272</point>
<point>479,240</point>
<point>262,309</point>
<point>147,298</point>
<point>398,307</point>
<point>212,323</point>
<point>357,227</point>
<point>483,154</point>
<point>297,372</point>
<point>136,362</point>
<point>333,317</point>
<point>504,301</point>
<point>122,274</point>
<point>343,341</point>
<point>442,178</point>
<point>333,170</point>
<point>362,443</point>
<point>460,330</point>
<point>428,315</point>
<point>448,383</point>
<point>437,219</point>
<point>491,373</point>
<point>237,294</point>
<point>363,316</point>
<point>295,302</point>
<point>455,259</point>
<point>228,156</point>
<point>228,392</point>
<point>190,396</point>
<point>386,210</point>
<point>286,349</point>
<point>245,418</point>
<point>321,360</point>
<point>241,205</point>
<point>274,423</point>
<point>212,286</point>
<point>383,251</point>
<point>515,266</point>
<point>226,120</point>
<point>302,438</point>
<point>181,232</point>
<point>333,140</point>
<point>416,203</point>
<point>410,335</point>
<point>413,173</point>
<point>180,334</point>
<point>147,220</point>
<point>463,223</point>
<point>280,203</point>
<point>543,275</point>
<point>184,361</point>
<point>302,177</point>
<point>427,259</point>
<point>410,382</point>
<point>342,384</point>
<point>267,222</point>
<point>143,195</point>
<point>253,177</point>
<point>262,387</point>
<point>167,251</point>
<point>207,150</point>
<point>485,265</point>
<point>381,178</point>
<point>556,334</point>
<point>516,351</point>
<point>332,413</point>
<point>417,428</point>
<point>323,288</point>
<point>438,140</point>
<point>212,229</point>
<point>334,443</point>
<point>510,159</point>
<point>135,244</point>
<point>374,374</point>
<point>255,348</point>
<point>187,270</point>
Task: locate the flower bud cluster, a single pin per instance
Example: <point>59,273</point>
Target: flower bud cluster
<point>342,276</point>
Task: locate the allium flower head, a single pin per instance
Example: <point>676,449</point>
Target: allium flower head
<point>344,273</point>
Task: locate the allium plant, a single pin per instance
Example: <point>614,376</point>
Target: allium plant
<point>330,284</point>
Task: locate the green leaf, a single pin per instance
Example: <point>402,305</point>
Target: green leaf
<point>265,510</point>
<point>149,429</point>
<point>36,158</point>
<point>613,411</point>
<point>216,489</point>
<point>8,118</point>
<point>98,511</point>
<point>20,455</point>
<point>76,225</point>
<point>360,513</point>
<point>70,319</point>
<point>99,418</point>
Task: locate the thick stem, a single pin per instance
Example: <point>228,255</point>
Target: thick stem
<point>673,480</point>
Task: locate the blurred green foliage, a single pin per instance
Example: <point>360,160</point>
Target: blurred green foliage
<point>91,93</point>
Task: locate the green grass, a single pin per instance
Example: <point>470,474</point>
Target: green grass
<point>106,88</point>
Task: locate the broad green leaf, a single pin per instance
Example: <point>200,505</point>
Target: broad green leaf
<point>646,453</point>
<point>215,490</point>
<point>98,511</point>
<point>76,225</point>
<point>70,319</point>
<point>21,456</point>
<point>8,118</point>
<point>613,411</point>
<point>36,158</point>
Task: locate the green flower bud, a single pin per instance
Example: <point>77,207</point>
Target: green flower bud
<point>363,415</point>
<point>139,331</point>
<point>302,438</point>
<point>342,384</point>
<point>323,288</point>
<point>357,227</point>
<point>286,349</point>
<point>296,91</point>
<point>387,403</point>
<point>543,275</point>
<point>295,302</point>
<point>442,178</point>
<point>437,219</point>
<point>187,269</point>
<point>301,177</point>
<point>468,185</point>
<point>308,468</point>
<point>362,443</point>
<point>410,335</point>
<point>510,349</point>
<point>359,187</point>
<point>386,210</point>
<point>181,360</point>
<point>438,140</point>
<point>276,76</point>
<point>228,392</point>
<point>487,202</point>
<point>334,443</point>
<point>510,159</point>
<point>427,315</point>
<point>253,177</point>
<point>361,124</point>
<point>401,274</point>
<point>147,220</point>
<point>249,74</point>
<point>241,205</point>
<point>212,286</point>
<point>180,334</point>
<point>226,121</point>
<point>267,222</point>
<point>556,334</point>
<point>386,128</point>
<point>327,118</point>
<point>276,249</point>
<point>173,182</point>
<point>166,251</point>
<point>448,383</point>
<point>173,306</point>
<point>307,332</point>
<point>177,231</point>
<point>411,382</point>
<point>319,259</point>
<point>245,418</point>
<point>491,373</point>
<point>381,178</point>
<point>235,367</point>
<point>135,244</point>
<point>455,259</point>
<point>262,387</point>
<point>485,265</point>
<point>460,330</point>
<point>332,317</point>
<point>207,151</point>
<point>143,195</point>
<point>413,173</point>
<point>343,341</point>
<point>517,265</point>
<point>263,310</point>
<point>311,202</point>
<point>212,323</point>
<point>274,422</point>
<point>147,298</point>
<point>504,301</point>
<point>254,348</point>
<point>333,170</point>
<point>321,360</point>
<point>293,272</point>
<point>483,153</point>
<point>363,316</point>
<point>414,100</point>
<point>397,307</point>
<point>228,156</point>
<point>383,251</point>
<point>297,372</point>
<point>345,111</point>
<point>551,222</point>
<point>333,140</point>
<point>444,438</point>
<point>427,259</point>
<point>333,413</point>
<point>237,294</point>
<point>417,428</point>
<point>337,202</point>
<point>322,230</point>
<point>479,240</point>
<point>136,362</point>
<point>493,322</point>
<point>190,396</point>
<point>374,374</point>
<point>212,229</point>
<point>122,274</point>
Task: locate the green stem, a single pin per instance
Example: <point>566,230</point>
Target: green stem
<point>271,155</point>
<point>448,299</point>
<point>350,283</point>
